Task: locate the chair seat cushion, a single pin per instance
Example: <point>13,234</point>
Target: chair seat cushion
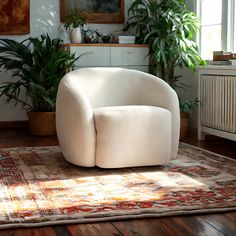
<point>132,136</point>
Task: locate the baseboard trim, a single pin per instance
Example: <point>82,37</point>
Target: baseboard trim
<point>13,124</point>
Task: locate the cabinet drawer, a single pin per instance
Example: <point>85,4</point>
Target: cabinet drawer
<point>129,56</point>
<point>93,56</point>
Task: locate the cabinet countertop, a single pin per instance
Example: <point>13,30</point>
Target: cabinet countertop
<point>103,45</point>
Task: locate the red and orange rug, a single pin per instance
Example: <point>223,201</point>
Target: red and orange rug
<point>38,187</point>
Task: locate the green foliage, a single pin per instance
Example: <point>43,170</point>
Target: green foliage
<point>187,105</point>
<point>169,28</point>
<point>91,36</point>
<point>75,19</point>
<point>38,65</point>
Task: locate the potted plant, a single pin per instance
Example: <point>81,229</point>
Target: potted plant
<point>38,65</point>
<point>169,28</point>
<point>185,107</point>
<point>74,23</point>
<point>91,36</point>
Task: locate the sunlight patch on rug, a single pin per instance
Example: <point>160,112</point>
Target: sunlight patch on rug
<point>38,187</point>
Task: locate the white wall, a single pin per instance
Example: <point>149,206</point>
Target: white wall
<point>44,18</point>
<point>190,79</point>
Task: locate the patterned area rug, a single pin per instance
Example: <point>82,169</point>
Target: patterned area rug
<point>38,187</point>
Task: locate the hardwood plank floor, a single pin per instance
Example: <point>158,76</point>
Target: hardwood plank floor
<point>201,224</point>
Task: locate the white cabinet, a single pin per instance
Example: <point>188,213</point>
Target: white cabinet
<point>129,56</point>
<point>111,55</point>
<point>217,95</point>
<point>91,56</point>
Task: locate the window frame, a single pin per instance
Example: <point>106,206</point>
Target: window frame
<point>228,24</point>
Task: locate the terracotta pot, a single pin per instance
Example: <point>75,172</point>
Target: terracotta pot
<point>42,123</point>
<point>184,121</point>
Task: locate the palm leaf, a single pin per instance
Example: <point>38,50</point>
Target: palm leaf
<point>38,65</point>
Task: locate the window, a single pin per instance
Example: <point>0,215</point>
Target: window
<point>217,26</point>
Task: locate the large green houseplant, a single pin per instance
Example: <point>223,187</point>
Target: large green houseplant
<point>38,65</point>
<point>169,28</point>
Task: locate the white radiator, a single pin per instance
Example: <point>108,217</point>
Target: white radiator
<point>217,95</point>
<point>218,102</point>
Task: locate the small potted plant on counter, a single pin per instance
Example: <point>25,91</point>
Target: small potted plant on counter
<point>91,36</point>
<point>75,23</point>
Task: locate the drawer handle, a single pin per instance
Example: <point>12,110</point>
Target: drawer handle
<point>128,52</point>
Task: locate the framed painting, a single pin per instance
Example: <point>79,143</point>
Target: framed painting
<point>14,17</point>
<point>97,11</point>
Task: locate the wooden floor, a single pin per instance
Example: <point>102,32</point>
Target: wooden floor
<point>202,224</point>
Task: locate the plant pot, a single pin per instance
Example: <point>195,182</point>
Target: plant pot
<point>75,35</point>
<point>42,123</point>
<point>106,38</point>
<point>87,39</point>
<point>184,121</point>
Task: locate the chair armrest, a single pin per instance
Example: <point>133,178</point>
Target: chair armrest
<point>156,92</point>
<point>75,123</point>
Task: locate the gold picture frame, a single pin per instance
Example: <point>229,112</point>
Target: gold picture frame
<point>14,17</point>
<point>97,11</point>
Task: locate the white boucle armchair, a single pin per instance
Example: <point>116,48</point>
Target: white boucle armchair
<point>115,117</point>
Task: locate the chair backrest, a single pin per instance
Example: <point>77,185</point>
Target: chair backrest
<point>110,86</point>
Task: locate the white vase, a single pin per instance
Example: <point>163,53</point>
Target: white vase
<point>75,35</point>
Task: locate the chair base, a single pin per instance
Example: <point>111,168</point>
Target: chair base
<point>130,136</point>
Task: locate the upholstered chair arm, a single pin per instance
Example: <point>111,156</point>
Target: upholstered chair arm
<point>75,123</point>
<point>156,92</point>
